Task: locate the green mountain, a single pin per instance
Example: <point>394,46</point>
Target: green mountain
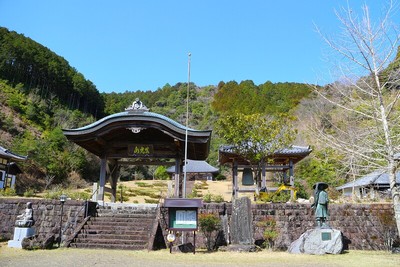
<point>41,94</point>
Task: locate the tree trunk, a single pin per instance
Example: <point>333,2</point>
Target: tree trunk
<point>396,207</point>
<point>395,197</point>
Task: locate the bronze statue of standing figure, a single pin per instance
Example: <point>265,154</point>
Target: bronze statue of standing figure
<point>320,204</point>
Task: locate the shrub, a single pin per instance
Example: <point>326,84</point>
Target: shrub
<point>217,198</point>
<point>202,185</point>
<point>207,198</point>
<point>161,173</point>
<point>270,232</point>
<point>159,184</point>
<point>79,195</point>
<point>75,180</point>
<point>193,194</point>
<point>143,184</point>
<point>151,201</point>
<point>209,225</point>
<point>30,193</point>
<point>121,194</point>
<point>220,177</point>
<point>8,192</point>
<point>57,191</point>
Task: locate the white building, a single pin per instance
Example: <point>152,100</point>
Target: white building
<point>8,168</point>
<point>370,185</point>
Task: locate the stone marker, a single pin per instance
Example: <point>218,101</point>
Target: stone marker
<point>241,226</point>
<point>242,222</point>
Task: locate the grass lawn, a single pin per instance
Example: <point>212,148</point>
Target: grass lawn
<point>86,257</point>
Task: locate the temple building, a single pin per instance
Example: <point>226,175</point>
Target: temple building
<point>139,137</point>
<point>9,168</point>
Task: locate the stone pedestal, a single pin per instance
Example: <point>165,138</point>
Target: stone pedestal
<point>318,241</point>
<point>19,234</point>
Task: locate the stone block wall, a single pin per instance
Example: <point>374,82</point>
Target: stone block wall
<point>364,226</point>
<point>46,213</point>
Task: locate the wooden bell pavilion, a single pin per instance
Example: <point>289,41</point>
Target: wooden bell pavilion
<point>281,161</point>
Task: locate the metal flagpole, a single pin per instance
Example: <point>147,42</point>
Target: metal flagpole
<point>186,132</point>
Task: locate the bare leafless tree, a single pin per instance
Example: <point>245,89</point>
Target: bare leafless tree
<point>364,112</point>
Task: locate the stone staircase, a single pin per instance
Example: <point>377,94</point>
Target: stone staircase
<point>118,227</point>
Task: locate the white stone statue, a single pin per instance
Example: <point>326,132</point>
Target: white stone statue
<point>26,218</point>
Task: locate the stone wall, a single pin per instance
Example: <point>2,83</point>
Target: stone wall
<point>46,213</point>
<point>364,226</point>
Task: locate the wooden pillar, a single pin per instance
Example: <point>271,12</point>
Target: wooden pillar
<point>263,176</point>
<point>291,172</point>
<point>234,178</point>
<point>103,172</point>
<point>291,178</point>
<point>177,174</point>
<point>113,181</point>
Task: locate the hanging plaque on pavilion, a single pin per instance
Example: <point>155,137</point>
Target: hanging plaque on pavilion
<point>140,150</point>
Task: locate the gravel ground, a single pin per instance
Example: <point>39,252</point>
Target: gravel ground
<point>91,257</point>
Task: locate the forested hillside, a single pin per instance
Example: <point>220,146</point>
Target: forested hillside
<point>41,94</point>
<point>24,61</point>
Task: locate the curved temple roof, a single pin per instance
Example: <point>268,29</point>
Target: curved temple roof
<point>113,136</point>
<point>7,154</point>
<point>295,153</point>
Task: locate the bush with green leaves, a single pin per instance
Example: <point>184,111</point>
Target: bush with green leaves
<point>270,232</point>
<point>209,225</point>
<point>30,193</point>
<point>8,192</point>
<point>143,184</point>
<point>161,173</point>
<point>220,177</point>
<point>208,198</point>
<point>57,191</point>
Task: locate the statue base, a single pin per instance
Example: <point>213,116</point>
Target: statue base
<point>318,241</point>
<point>19,234</point>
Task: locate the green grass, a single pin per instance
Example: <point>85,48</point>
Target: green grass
<point>143,184</point>
<point>75,257</point>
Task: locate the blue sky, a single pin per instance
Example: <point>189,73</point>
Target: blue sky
<point>130,45</point>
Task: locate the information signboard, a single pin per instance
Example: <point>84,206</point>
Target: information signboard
<point>183,219</point>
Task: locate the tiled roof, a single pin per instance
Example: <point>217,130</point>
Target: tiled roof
<point>127,114</point>
<point>379,177</point>
<point>196,166</point>
<point>7,154</point>
<point>293,150</point>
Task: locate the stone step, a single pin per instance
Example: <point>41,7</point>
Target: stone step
<point>117,228</point>
<point>121,219</point>
<point>111,231</point>
<point>125,214</point>
<point>108,246</point>
<point>140,236</point>
<point>122,224</point>
<point>111,241</point>
<point>127,210</point>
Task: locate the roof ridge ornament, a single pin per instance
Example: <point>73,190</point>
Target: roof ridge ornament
<point>137,107</point>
